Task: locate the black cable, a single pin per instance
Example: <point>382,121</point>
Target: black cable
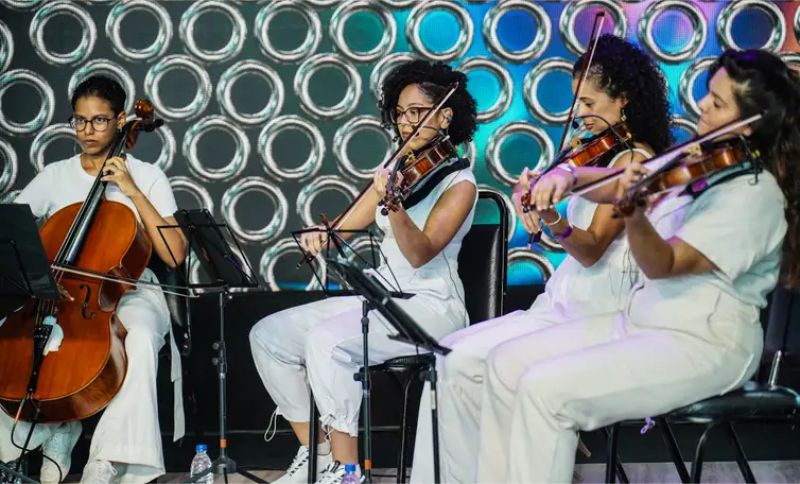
<point>24,448</point>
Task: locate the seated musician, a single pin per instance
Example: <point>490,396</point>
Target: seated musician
<point>321,343</point>
<point>126,444</point>
<point>709,254</point>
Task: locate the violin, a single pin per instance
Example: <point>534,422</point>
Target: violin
<point>415,169</point>
<point>96,236</point>
<point>698,163</point>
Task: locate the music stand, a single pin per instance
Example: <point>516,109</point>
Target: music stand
<point>24,273</point>
<point>409,331</point>
<point>213,244</point>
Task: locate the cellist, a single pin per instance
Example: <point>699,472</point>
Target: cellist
<point>126,444</point>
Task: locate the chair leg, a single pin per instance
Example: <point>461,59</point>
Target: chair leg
<point>741,459</point>
<point>672,447</point>
<point>312,442</point>
<point>611,458</point>
<point>619,469</point>
<point>402,465</point>
<point>697,464</point>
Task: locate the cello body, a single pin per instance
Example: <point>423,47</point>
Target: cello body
<point>83,375</point>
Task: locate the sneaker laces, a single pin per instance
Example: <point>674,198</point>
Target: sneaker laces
<point>332,474</point>
<point>299,462</point>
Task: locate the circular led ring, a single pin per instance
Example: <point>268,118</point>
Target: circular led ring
<point>43,140</point>
<point>45,14</point>
<point>322,3</point>
<point>699,32</point>
<point>201,97</point>
<point>345,11</point>
<point>6,46</point>
<point>566,24</point>
<point>45,114</point>
<point>544,30</point>
<point>279,249</point>
<point>238,30</point>
<point>229,78</point>
<point>503,101</point>
<point>168,146</point>
<point>253,183</point>
<point>731,10</point>
<point>262,28</point>
<point>398,3</point>
<point>9,174</point>
<point>496,142</point>
<point>358,244</point>
<point>342,138</point>
<point>792,59</point>
<point>686,85</point>
<point>234,167</point>
<point>530,89</point>
<point>470,151</point>
<point>21,4</point>
<point>384,67</point>
<point>310,192</point>
<point>152,51</point>
<point>539,260</point>
<point>10,196</point>
<point>315,157</point>
<point>682,122</point>
<point>106,68</point>
<point>509,207</point>
<point>303,77</point>
<point>194,189</point>
<point>414,24</point>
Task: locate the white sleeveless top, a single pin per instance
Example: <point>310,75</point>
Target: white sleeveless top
<point>579,291</point>
<point>438,279</point>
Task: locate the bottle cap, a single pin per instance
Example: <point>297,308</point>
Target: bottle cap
<point>349,468</point>
<point>201,448</point>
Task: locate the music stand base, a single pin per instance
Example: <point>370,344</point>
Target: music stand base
<point>8,474</point>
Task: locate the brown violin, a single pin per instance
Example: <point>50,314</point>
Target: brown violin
<point>82,376</point>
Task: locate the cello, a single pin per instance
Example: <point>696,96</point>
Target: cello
<point>81,376</point>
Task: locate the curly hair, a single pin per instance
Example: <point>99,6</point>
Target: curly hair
<point>621,69</point>
<point>104,88</point>
<point>434,78</point>
<point>763,83</point>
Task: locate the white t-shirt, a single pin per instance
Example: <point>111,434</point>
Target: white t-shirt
<point>65,182</point>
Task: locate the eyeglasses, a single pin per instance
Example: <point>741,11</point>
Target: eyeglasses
<point>99,123</point>
<point>413,115</point>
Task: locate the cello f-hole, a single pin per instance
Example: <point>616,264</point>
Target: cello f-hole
<point>85,305</point>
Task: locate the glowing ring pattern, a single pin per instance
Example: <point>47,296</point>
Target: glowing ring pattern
<point>6,46</point>
<point>45,14</point>
<point>238,30</point>
<point>9,174</point>
<point>687,81</point>
<point>253,183</point>
<point>21,4</point>
<point>570,13</point>
<point>43,140</point>
<point>414,24</point>
<point>539,260</point>
<point>384,67</point>
<point>503,101</point>
<point>157,48</point>
<point>544,30</point>
<point>509,207</point>
<point>530,89</point>
<point>309,44</point>
<point>106,68</point>
<point>684,123</point>
<point>699,32</point>
<point>229,78</point>
<point>46,96</point>
<point>237,163</point>
<point>493,162</point>
<point>307,70</point>
<point>270,258</point>
<point>194,189</point>
<point>345,11</point>
<point>342,138</point>
<point>315,157</point>
<point>310,192</point>
<point>731,10</point>
<point>201,97</point>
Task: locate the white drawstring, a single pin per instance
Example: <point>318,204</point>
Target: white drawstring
<point>273,425</point>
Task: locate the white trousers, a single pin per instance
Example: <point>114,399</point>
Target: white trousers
<point>128,431</point>
<point>320,344</point>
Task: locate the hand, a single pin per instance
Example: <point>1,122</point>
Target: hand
<point>381,178</point>
<point>528,217</point>
<point>116,171</point>
<point>634,172</point>
<point>550,188</point>
<point>314,242</point>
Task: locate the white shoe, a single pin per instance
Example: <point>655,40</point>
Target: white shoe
<point>334,474</point>
<point>298,470</point>
<point>98,472</point>
<point>58,447</point>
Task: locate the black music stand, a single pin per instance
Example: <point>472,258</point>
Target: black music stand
<point>24,274</point>
<point>381,299</point>
<point>222,259</point>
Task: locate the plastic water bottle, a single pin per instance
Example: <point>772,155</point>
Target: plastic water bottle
<point>200,463</point>
<point>350,476</point>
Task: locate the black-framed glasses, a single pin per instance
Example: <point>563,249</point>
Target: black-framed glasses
<point>412,115</point>
<point>99,123</point>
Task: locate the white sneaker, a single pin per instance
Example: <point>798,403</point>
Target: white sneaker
<point>98,472</point>
<point>298,470</point>
<point>334,474</point>
<point>58,447</point>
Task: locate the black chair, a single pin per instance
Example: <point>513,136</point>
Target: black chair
<point>482,265</point>
<point>770,397</point>
<point>178,306</point>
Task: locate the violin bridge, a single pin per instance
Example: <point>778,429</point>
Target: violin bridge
<point>693,149</point>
